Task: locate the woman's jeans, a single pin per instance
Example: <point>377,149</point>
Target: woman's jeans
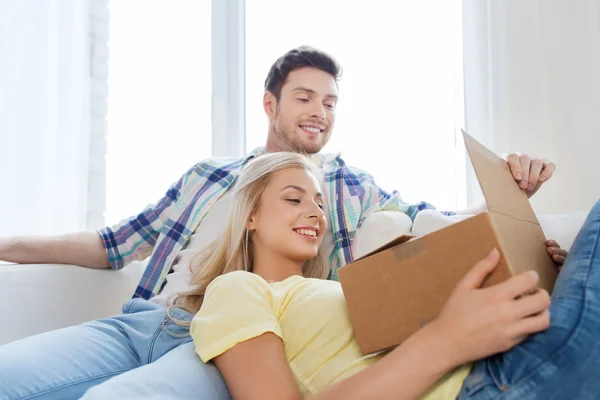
<point>562,362</point>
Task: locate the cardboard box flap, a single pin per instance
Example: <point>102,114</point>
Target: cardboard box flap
<point>388,245</point>
<point>500,190</point>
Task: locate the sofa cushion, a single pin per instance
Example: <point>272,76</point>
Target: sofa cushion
<point>378,229</point>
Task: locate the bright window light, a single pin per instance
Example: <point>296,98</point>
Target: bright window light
<point>401,90</point>
<point>159,106</point>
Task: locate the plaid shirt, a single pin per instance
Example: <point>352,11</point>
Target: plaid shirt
<point>163,229</point>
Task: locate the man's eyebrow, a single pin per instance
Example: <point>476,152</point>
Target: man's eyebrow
<point>300,189</point>
<point>311,91</point>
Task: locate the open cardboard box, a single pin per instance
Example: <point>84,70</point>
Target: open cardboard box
<point>395,290</point>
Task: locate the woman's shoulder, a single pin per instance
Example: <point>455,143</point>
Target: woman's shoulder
<point>236,278</point>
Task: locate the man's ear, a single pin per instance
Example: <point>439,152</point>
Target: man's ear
<point>270,105</point>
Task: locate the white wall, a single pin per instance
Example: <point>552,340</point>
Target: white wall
<point>532,85</point>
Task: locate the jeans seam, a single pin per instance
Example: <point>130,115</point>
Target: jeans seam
<point>152,344</point>
<point>167,321</point>
<point>45,392</point>
<point>129,307</point>
<point>570,339</point>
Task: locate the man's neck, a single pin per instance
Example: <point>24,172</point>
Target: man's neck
<point>274,145</point>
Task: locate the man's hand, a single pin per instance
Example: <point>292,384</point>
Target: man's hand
<point>530,172</point>
<point>558,255</point>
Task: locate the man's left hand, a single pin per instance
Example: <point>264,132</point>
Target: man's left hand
<point>558,255</point>
<point>530,172</point>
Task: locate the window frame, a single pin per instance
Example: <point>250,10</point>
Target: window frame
<point>228,42</point>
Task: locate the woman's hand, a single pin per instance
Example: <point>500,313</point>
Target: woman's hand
<point>480,322</point>
<point>558,255</point>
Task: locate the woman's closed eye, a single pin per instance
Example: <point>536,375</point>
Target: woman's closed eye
<point>297,201</point>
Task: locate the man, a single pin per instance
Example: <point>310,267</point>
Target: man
<point>133,355</point>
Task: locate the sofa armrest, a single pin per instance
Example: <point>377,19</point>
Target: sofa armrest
<point>41,297</point>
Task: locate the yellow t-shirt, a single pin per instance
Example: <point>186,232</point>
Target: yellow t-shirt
<point>309,315</point>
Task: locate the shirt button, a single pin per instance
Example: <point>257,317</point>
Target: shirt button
<point>186,237</point>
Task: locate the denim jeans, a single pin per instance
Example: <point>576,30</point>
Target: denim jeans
<point>124,357</point>
<point>562,362</point>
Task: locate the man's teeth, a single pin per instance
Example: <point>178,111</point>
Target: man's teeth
<point>311,129</point>
<point>307,232</point>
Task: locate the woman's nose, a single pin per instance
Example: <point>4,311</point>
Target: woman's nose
<point>315,212</point>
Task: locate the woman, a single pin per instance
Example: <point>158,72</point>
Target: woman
<point>276,332</point>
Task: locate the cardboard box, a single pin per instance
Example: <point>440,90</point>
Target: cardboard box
<point>395,290</point>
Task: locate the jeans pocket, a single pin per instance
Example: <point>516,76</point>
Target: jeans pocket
<point>130,306</point>
<point>479,384</point>
<point>137,305</point>
<point>177,322</point>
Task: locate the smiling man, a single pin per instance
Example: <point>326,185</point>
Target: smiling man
<point>135,355</point>
<point>302,115</point>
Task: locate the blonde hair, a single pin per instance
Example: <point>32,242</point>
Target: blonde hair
<point>233,250</point>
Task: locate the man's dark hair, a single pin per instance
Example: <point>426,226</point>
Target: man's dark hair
<point>300,57</point>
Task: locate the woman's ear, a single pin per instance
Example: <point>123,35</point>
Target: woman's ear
<point>251,223</point>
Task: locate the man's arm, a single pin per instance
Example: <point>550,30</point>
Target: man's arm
<point>134,238</point>
<point>123,242</point>
<point>83,248</point>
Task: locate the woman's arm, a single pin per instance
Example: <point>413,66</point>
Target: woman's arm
<point>498,317</point>
<point>407,372</point>
<point>258,369</point>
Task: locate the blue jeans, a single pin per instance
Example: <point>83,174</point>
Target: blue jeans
<point>124,357</point>
<point>562,362</point>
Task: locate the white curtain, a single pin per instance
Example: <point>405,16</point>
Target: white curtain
<point>532,84</point>
<point>44,116</point>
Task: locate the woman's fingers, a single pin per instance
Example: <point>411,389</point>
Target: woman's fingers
<point>532,304</point>
<point>533,324</point>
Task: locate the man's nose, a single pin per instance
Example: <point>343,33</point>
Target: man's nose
<point>318,111</point>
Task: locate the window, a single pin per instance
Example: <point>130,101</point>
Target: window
<point>401,90</point>
<point>159,115</point>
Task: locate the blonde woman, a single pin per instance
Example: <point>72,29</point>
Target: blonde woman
<point>277,330</point>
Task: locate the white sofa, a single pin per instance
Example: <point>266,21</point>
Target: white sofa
<point>39,298</point>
